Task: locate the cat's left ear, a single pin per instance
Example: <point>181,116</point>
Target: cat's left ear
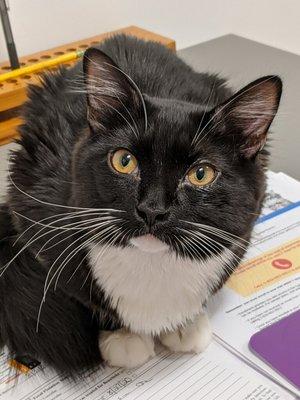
<point>248,114</point>
<point>112,97</point>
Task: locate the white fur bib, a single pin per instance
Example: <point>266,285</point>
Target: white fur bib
<point>153,292</point>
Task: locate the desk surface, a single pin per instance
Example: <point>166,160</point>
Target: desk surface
<point>242,60</point>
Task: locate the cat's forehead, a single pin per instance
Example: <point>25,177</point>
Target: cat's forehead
<point>172,110</point>
<point>168,136</point>
<point>168,139</point>
<point>172,123</point>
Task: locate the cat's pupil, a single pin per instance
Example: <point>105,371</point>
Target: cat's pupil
<point>125,160</point>
<point>200,173</point>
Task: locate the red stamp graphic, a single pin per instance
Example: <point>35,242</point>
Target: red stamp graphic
<point>282,263</point>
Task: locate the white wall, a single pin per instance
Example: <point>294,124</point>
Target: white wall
<point>42,24</point>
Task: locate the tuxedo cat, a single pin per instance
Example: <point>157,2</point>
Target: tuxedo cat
<point>132,197</point>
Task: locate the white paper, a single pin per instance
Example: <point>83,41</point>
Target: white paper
<point>213,375</point>
<point>266,287</point>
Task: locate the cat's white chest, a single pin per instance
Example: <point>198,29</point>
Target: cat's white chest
<point>154,292</point>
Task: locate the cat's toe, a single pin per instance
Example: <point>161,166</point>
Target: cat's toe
<point>124,349</point>
<point>193,338</point>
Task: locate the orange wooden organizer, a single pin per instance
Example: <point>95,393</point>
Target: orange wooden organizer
<point>13,91</point>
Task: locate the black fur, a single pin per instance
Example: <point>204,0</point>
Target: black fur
<point>66,325</point>
<point>68,132</point>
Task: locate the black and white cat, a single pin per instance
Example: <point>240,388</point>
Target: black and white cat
<point>132,199</point>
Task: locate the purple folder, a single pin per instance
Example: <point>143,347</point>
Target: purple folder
<point>279,346</point>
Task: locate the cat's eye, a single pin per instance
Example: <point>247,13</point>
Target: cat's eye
<point>201,175</point>
<point>123,161</point>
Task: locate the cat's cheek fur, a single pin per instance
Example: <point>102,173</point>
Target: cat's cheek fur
<point>155,292</point>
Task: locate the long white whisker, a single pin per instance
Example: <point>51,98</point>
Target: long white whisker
<point>105,248</point>
<point>133,84</point>
<point>83,225</point>
<point>237,259</point>
<point>130,115</point>
<point>203,115</point>
<point>186,250</point>
<point>63,227</point>
<point>119,113</point>
<point>73,253</point>
<point>138,91</point>
<point>194,249</point>
<point>221,231</point>
<point>178,245</point>
<point>202,236</point>
<point>80,247</point>
<point>223,260</point>
<point>46,287</point>
<point>69,215</point>
<point>46,202</point>
<point>61,254</point>
<point>37,236</point>
<point>93,87</point>
<point>202,247</point>
<point>225,237</point>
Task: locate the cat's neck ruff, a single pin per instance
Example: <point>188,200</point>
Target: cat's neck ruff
<point>153,292</point>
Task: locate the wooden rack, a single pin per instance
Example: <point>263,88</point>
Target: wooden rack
<point>13,91</point>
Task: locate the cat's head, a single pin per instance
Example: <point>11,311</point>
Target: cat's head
<point>180,177</point>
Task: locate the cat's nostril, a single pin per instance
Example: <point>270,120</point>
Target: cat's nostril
<point>151,216</point>
<point>161,216</point>
<point>141,214</point>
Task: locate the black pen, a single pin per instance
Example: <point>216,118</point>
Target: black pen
<point>11,48</point>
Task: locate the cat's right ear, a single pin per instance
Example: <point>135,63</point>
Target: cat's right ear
<point>247,115</point>
<point>112,97</point>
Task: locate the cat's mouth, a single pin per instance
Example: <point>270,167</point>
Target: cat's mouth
<point>149,243</point>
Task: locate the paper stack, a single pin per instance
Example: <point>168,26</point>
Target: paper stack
<point>266,287</point>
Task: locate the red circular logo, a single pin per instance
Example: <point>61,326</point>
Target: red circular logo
<point>282,263</point>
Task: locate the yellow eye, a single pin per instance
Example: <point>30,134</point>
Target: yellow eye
<point>201,175</point>
<point>123,161</point>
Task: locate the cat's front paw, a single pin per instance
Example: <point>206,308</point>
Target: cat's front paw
<point>193,338</point>
<point>121,348</point>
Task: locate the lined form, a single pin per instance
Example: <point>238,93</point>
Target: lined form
<point>195,377</point>
<point>213,375</point>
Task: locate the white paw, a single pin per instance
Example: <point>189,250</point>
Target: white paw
<point>193,338</point>
<point>124,349</point>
